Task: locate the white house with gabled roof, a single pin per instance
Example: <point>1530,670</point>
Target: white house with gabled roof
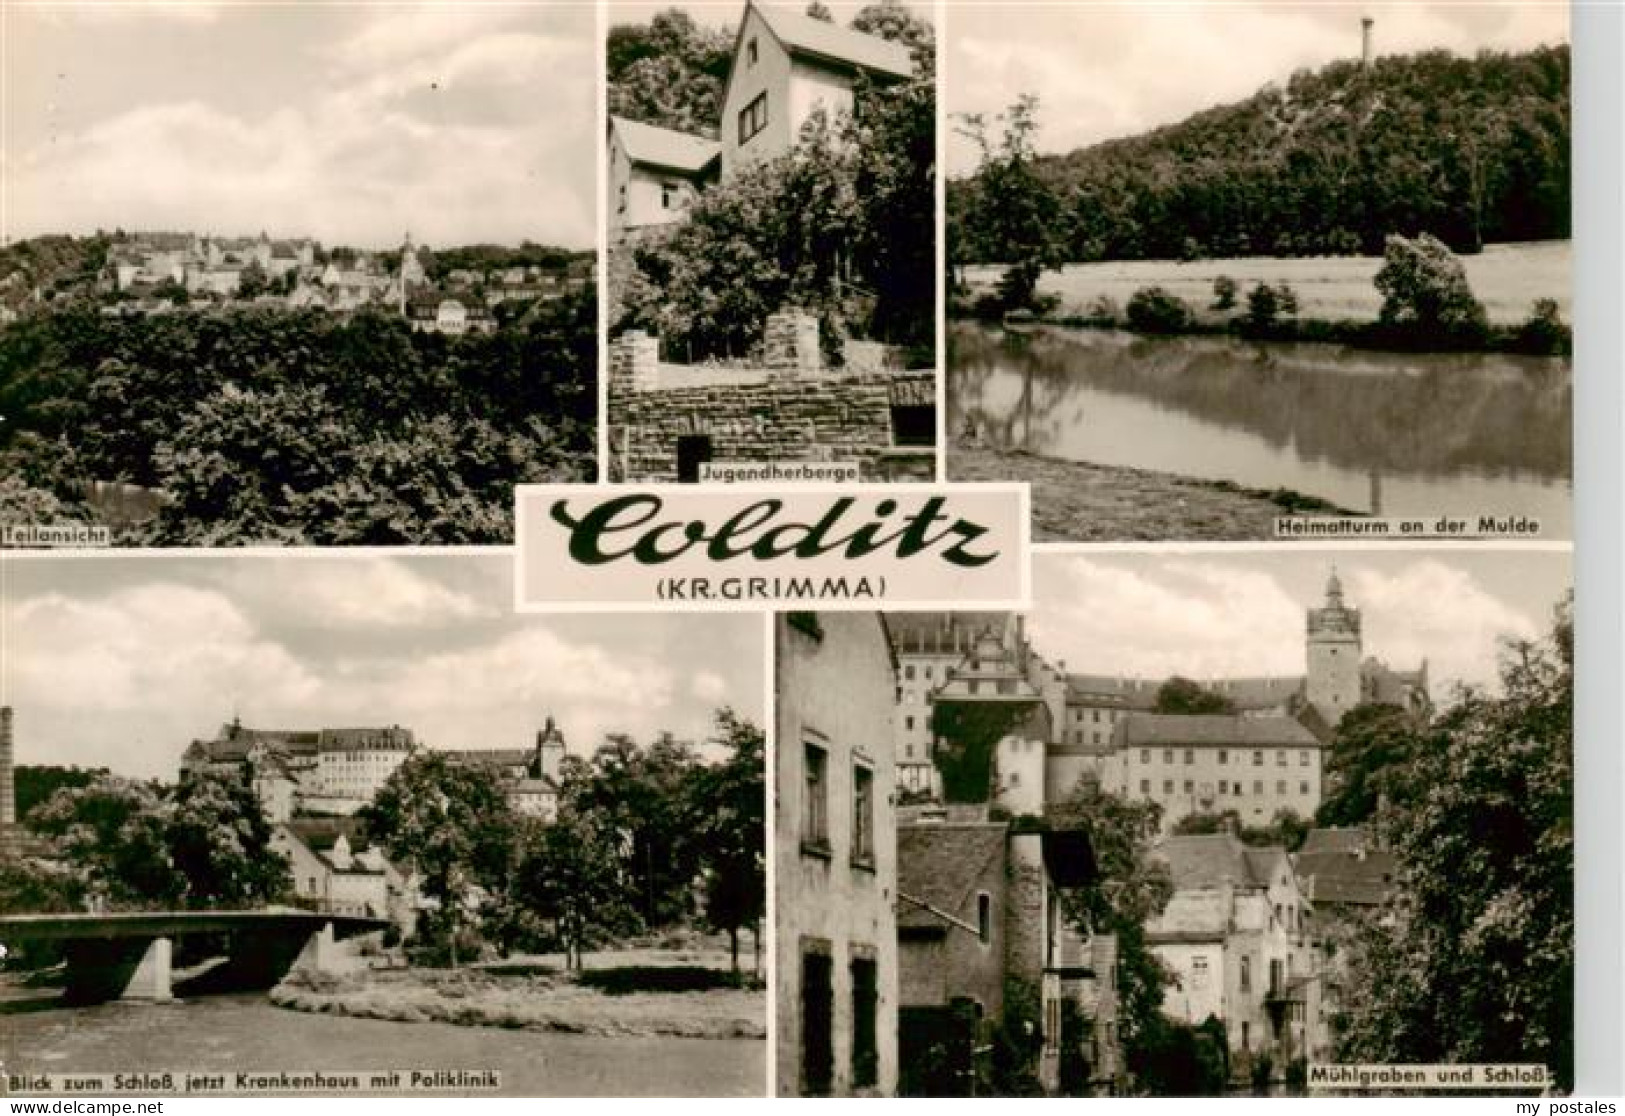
<point>655,173</point>
<point>786,66</point>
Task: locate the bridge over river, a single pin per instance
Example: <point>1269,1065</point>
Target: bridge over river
<point>130,954</point>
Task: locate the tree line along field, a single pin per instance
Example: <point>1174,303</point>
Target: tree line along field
<point>1506,278</point>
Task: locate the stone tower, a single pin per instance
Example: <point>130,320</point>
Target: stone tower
<point>8,788</point>
<point>550,751</point>
<point>1366,23</point>
<point>1333,686</point>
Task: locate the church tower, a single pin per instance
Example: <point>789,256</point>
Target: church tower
<point>1333,686</point>
<point>549,751</point>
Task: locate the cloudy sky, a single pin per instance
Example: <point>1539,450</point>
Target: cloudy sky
<point>461,122</point>
<point>121,662</point>
<point>1105,70</point>
<point>1215,615</point>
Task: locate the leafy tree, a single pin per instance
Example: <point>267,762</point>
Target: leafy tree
<point>820,11</point>
<point>730,803</point>
<point>1424,290</point>
<point>252,282</point>
<point>669,73</point>
<point>570,874</point>
<point>1131,891</point>
<point>1015,212</point>
<point>1368,764</point>
<point>453,824</point>
<point>1224,293</point>
<point>1157,310</point>
<point>1181,695</point>
<point>1485,890</point>
<point>205,843</point>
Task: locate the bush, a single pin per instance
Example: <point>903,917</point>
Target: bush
<point>1267,305</point>
<point>1157,310</point>
<point>1224,293</point>
<point>1425,292</point>
<point>1544,333</point>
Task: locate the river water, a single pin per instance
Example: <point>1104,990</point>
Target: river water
<point>1397,434</point>
<point>244,1031</point>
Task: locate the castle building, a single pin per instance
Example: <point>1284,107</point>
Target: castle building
<point>322,771</point>
<point>529,777</point>
<point>1264,757</point>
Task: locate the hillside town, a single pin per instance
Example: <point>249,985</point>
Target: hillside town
<point>936,866</point>
<point>143,273</point>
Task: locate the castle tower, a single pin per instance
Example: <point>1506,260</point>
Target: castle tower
<point>1333,648</point>
<point>411,272</point>
<point>1366,23</point>
<point>550,751</point>
<point>8,789</point>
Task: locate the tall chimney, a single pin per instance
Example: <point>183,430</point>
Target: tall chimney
<point>8,788</point>
<point>1365,40</point>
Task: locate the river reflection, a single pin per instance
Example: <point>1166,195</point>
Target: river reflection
<point>1388,433</point>
<point>245,1031</point>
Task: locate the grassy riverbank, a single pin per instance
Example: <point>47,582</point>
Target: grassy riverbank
<point>618,999</point>
<point>1073,501</point>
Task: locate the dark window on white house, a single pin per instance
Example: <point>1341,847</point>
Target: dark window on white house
<point>752,119</point>
<point>984,916</point>
<point>815,791</point>
<point>863,816</point>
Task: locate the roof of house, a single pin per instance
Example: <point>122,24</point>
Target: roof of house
<point>802,34</point>
<point>938,633</point>
<point>1136,693</point>
<point>664,147</point>
<point>1214,729</point>
<point>1341,866</point>
<point>941,863</point>
<point>1208,860</point>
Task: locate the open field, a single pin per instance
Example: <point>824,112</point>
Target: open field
<point>1507,278</point>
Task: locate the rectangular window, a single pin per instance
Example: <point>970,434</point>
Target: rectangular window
<point>752,119</point>
<point>1280,786</point>
<point>908,672</point>
<point>669,193</point>
<point>1303,788</point>
<point>984,916</point>
<point>1167,755</point>
<point>908,723</point>
<point>1167,786</point>
<point>1145,755</point>
<point>817,1024</point>
<point>865,1006</point>
<point>914,424</point>
<point>1303,759</point>
<point>863,816</point>
<point>815,794</point>
<point>1145,786</point>
<point>1280,759</point>
<point>1190,755</point>
<point>1189,786</point>
<point>752,54</point>
<point>1224,786</point>
<point>1224,757</point>
<point>1258,759</point>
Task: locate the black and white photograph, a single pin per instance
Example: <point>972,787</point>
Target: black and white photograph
<point>1195,822</point>
<point>771,211</point>
<point>305,274</point>
<point>348,825</point>
<point>1213,264</point>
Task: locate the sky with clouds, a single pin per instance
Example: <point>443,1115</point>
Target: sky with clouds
<point>353,123</point>
<point>121,662</point>
<point>1215,615</point>
<point>1103,70</point>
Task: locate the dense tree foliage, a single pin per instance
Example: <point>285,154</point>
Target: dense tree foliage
<point>298,427</point>
<point>1008,204</point>
<point>36,782</point>
<point>1471,150</point>
<point>1476,954</point>
<point>134,845</point>
<point>1287,828</point>
<point>1425,290</point>
<point>452,824</point>
<point>669,72</point>
<point>730,804</point>
<point>1181,695</point>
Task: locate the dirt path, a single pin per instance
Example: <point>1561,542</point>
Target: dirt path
<point>1078,502</point>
